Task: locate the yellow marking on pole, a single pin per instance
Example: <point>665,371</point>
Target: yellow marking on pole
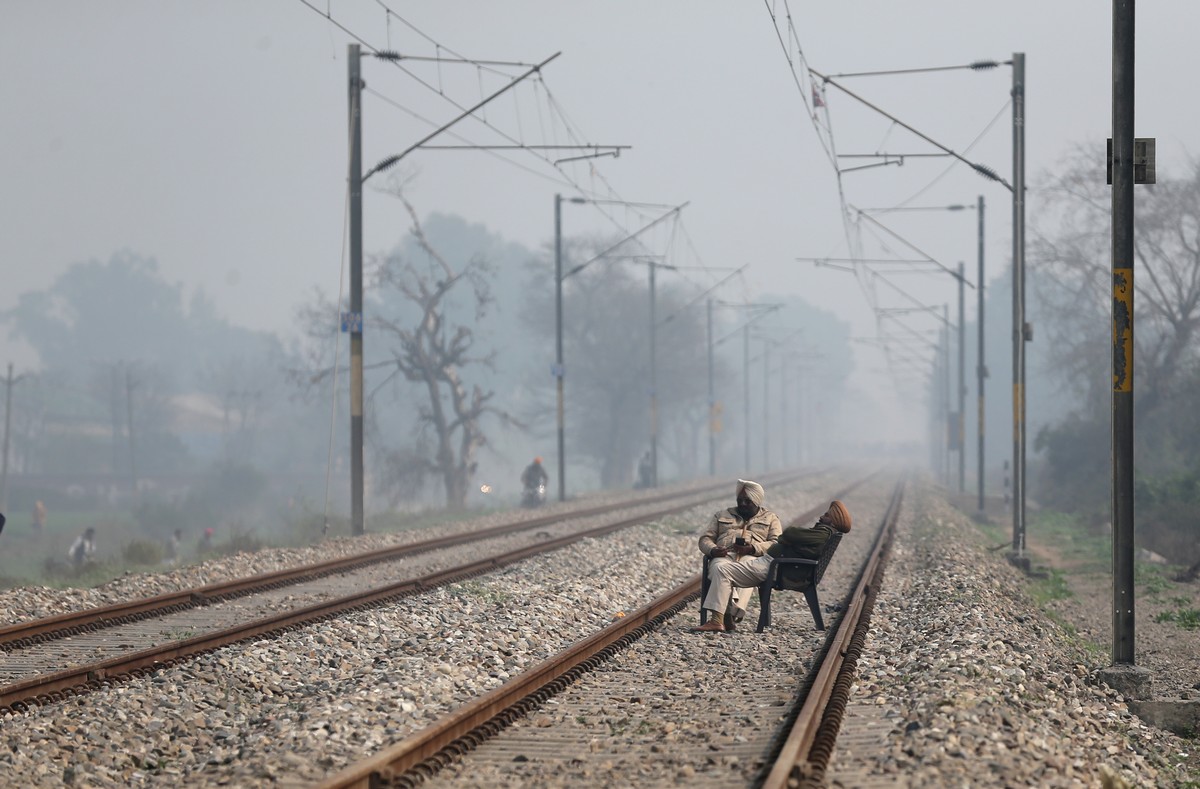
<point>1018,409</point>
<point>1122,330</point>
<point>356,378</point>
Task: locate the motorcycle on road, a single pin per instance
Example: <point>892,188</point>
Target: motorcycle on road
<point>534,496</point>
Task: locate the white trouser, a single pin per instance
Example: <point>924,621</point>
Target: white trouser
<point>737,578</point>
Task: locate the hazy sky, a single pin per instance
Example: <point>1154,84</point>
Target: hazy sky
<point>213,137</point>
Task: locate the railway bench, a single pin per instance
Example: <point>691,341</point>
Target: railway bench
<point>796,575</point>
<point>793,575</point>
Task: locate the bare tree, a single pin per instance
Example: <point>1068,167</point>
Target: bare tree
<point>1072,256</point>
<point>419,341</point>
<point>428,349</point>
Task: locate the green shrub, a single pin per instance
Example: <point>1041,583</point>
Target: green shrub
<point>240,542</point>
<point>142,552</point>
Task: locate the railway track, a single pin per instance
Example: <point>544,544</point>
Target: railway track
<point>24,634</point>
<point>47,660</point>
<point>603,711</point>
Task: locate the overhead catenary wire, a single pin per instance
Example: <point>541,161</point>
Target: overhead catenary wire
<point>767,309</point>
<point>420,81</point>
<point>466,113</point>
<point>551,102</point>
<point>978,65</point>
<point>915,248</point>
<point>391,54</point>
<point>458,136</point>
<point>987,128</point>
<point>983,170</point>
<point>703,295</point>
<point>631,237</point>
<point>854,228</point>
<point>853,244</point>
<point>390,13</point>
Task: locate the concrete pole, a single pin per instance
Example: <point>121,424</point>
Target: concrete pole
<point>114,409</point>
<point>981,368</point>
<point>960,435</point>
<point>746,393</point>
<point>1122,331</point>
<point>559,371</point>
<point>133,475</point>
<point>1019,331</point>
<point>8,387</point>
<point>799,413</point>
<point>783,414</point>
<point>653,388</point>
<point>357,525</point>
<point>712,402</point>
<point>946,401</point>
<point>766,431</point>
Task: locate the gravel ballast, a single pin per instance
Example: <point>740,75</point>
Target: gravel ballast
<point>966,680</point>
<point>968,683</point>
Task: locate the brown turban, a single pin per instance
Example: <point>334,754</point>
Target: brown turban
<point>753,491</point>
<point>837,516</point>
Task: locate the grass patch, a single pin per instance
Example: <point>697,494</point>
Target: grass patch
<point>1186,618</point>
<point>1053,587</point>
<point>994,533</point>
<point>1084,549</point>
<point>1152,581</point>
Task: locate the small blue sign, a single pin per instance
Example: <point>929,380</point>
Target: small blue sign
<point>352,322</point>
<point>557,370</point>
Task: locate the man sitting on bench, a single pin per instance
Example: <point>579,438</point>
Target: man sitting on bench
<point>736,537</point>
<point>796,542</point>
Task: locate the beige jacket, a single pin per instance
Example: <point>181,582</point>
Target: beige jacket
<point>761,532</point>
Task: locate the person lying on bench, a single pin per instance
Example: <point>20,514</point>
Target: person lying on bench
<point>737,536</point>
<point>796,542</point>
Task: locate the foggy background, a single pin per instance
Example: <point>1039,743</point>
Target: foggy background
<point>173,234</point>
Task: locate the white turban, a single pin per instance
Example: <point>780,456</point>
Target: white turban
<point>753,491</point>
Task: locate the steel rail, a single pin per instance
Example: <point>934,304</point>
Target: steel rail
<point>415,758</point>
<point>805,753</point>
<point>79,679</point>
<point>25,634</point>
<point>512,699</point>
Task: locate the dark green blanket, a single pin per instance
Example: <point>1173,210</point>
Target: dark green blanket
<point>799,542</point>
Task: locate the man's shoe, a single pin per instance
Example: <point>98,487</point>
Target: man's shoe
<point>711,626</point>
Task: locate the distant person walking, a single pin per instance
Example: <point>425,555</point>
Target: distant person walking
<point>39,516</point>
<point>83,548</point>
<point>206,542</point>
<point>645,471</point>
<point>171,555</point>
